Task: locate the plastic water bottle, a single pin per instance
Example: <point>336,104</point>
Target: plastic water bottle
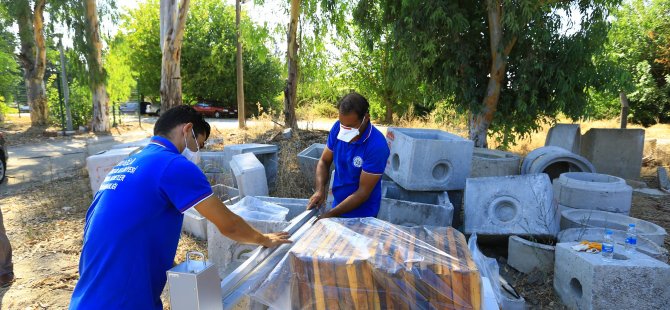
<point>631,239</point>
<point>608,246</point>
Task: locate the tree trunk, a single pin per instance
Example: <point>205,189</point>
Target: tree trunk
<point>240,74</point>
<point>481,120</point>
<point>172,22</point>
<point>389,103</point>
<point>291,89</point>
<point>100,122</point>
<point>33,58</point>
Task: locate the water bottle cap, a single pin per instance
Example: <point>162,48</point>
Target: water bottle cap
<point>631,225</point>
<point>608,232</point>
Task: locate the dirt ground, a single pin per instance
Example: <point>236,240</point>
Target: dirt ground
<point>45,226</point>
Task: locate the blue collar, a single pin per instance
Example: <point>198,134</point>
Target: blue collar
<point>161,141</point>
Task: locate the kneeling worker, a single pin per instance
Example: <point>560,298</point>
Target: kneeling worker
<point>359,151</point>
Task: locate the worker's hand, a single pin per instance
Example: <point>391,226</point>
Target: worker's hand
<point>275,239</point>
<point>316,200</point>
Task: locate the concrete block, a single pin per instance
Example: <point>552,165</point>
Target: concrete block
<point>567,136</point>
<point>330,198</point>
<point>225,192</point>
<point>510,302</point>
<point>195,224</point>
<point>526,256</point>
<point>308,159</point>
<point>225,178</point>
<point>249,175</point>
<point>228,254</point>
<point>644,245</point>
<point>510,205</point>
<point>577,218</point>
<point>212,162</point>
<point>428,159</point>
<point>287,133</point>
<point>268,154</point>
<point>493,163</point>
<point>651,192</point>
<point>554,161</point>
<point>615,152</point>
<point>593,191</point>
<point>662,178</point>
<point>410,208</point>
<point>631,281</point>
<point>99,165</point>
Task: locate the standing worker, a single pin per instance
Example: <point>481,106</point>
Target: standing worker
<point>134,222</point>
<point>360,152</point>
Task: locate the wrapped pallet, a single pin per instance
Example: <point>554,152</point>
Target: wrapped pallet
<point>366,263</point>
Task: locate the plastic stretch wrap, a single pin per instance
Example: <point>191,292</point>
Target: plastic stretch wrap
<point>366,263</point>
<point>252,208</point>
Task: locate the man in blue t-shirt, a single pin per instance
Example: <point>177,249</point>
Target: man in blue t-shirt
<point>134,222</point>
<point>359,151</point>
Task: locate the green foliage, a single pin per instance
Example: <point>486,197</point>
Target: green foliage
<point>635,61</point>
<point>120,81</point>
<point>208,55</point>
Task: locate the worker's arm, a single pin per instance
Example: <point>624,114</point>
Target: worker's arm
<point>322,178</point>
<point>234,227</point>
<point>366,185</point>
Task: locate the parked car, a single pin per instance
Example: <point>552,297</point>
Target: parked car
<point>129,107</point>
<point>209,110</point>
<point>23,108</point>
<point>152,108</point>
<point>3,158</point>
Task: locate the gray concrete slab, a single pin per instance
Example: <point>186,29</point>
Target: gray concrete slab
<point>554,161</point>
<point>567,136</point>
<point>576,218</point>
<point>525,255</point>
<point>631,281</point>
<point>212,162</point>
<point>249,175</point>
<point>644,245</point>
<point>491,163</point>
<point>428,159</point>
<point>268,154</point>
<point>615,152</point>
<point>662,178</point>
<point>195,224</point>
<point>308,160</point>
<point>410,208</point>
<point>510,205</point>
<point>593,191</point>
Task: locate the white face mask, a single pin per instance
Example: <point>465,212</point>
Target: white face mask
<point>347,134</point>
<point>190,155</point>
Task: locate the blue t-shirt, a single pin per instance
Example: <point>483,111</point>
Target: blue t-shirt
<point>133,227</point>
<point>369,153</point>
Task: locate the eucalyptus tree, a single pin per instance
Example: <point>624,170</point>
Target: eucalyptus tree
<point>173,15</point>
<point>510,64</point>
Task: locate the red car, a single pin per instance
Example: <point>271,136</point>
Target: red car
<point>209,110</point>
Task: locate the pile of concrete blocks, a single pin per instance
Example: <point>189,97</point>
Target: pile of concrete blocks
<point>567,136</point>
<point>554,161</point>
<point>267,154</point>
<point>615,152</point>
<point>308,160</point>
<point>227,254</point>
<point>578,218</point>
<point>526,255</point>
<point>631,280</point>
<point>410,208</point>
<point>250,175</point>
<point>511,205</point>
<point>493,163</point>
<point>593,191</point>
<point>428,159</point>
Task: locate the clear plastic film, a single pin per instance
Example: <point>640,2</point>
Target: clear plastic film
<point>366,263</point>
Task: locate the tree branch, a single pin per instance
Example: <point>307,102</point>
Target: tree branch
<point>181,22</point>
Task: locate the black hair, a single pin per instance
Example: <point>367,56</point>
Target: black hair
<point>181,114</point>
<point>353,102</point>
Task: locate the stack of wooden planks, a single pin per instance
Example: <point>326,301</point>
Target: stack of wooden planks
<point>370,264</point>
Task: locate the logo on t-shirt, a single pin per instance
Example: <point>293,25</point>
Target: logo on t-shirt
<point>358,161</point>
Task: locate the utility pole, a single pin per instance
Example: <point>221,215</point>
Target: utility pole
<point>66,89</point>
<point>240,75</point>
